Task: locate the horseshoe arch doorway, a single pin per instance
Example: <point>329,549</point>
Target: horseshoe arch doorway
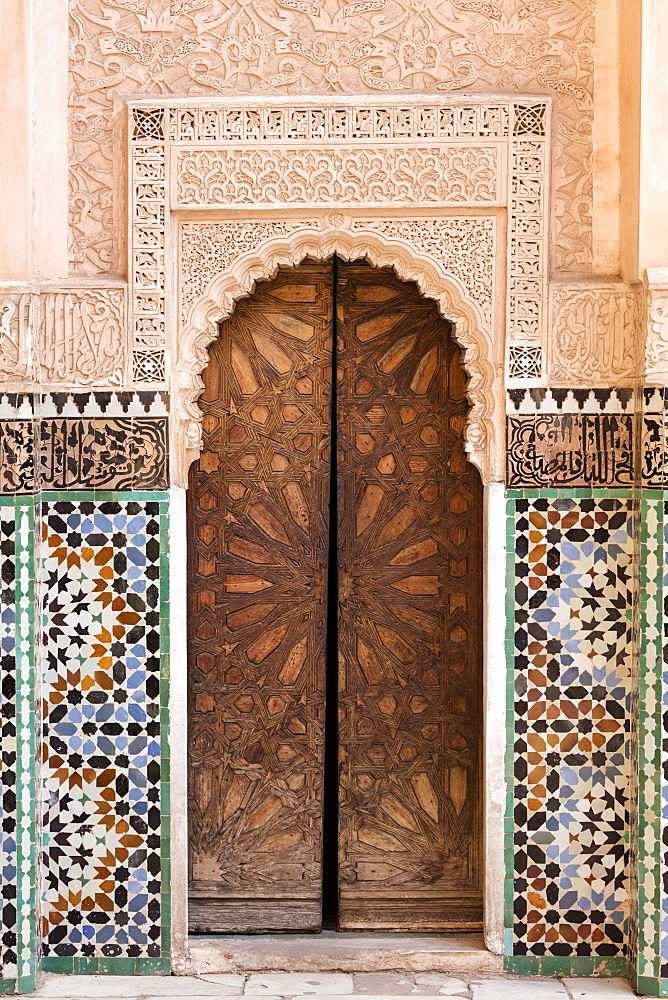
<point>334,616</point>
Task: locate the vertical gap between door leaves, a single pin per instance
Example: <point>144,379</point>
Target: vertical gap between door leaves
<point>330,842</point>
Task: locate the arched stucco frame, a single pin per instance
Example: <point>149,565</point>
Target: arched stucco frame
<point>485,442</point>
<point>483,352</point>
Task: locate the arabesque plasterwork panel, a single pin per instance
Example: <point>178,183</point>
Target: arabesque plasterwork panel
<point>594,334</point>
<point>180,161</point>
<point>464,246</point>
<point>655,309</point>
<point>58,335</point>
<point>354,155</point>
<point>445,175</point>
<point>212,296</point>
<point>210,48</point>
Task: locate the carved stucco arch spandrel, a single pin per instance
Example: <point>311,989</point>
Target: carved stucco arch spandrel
<point>483,352</point>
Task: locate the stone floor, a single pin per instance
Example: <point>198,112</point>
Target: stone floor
<point>331,986</point>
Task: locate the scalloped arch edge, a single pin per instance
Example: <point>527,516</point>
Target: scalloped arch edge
<point>485,437</point>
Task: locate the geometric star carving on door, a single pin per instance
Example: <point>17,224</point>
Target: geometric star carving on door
<point>409,611</point>
<point>409,620</point>
<point>258,541</point>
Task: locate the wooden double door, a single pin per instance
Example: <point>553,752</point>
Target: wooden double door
<point>334,615</point>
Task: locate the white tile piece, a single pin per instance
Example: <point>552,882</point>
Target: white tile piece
<point>518,989</point>
<point>290,984</point>
<point>610,989</point>
<point>109,987</point>
<point>445,985</point>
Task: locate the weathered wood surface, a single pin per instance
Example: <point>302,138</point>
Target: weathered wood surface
<point>410,510</point>
<point>258,531</point>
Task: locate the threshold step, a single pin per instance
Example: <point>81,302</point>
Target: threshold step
<point>341,952</point>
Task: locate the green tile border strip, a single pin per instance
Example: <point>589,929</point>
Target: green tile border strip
<point>647,962</point>
<point>165,743</point>
<point>100,966</point>
<point>144,965</point>
<point>651,987</point>
<point>509,642</point>
<point>549,965</point>
<point>27,722</point>
<point>595,493</point>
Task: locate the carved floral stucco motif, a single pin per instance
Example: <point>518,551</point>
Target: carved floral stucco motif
<point>176,157</point>
<point>17,312</point>
<point>656,351</point>
<point>82,337</point>
<point>286,47</point>
<point>210,248</point>
<point>594,335</point>
<point>449,175</point>
<point>463,246</point>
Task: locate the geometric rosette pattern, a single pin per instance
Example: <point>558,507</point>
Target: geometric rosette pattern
<point>574,576</point>
<point>103,589</point>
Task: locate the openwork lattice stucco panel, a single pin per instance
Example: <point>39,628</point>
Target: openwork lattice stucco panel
<point>206,48</point>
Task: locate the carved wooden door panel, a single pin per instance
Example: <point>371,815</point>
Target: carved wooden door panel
<point>410,614</point>
<point>258,529</point>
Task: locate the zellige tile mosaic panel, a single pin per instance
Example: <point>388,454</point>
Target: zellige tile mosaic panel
<point>573,570</point>
<point>105,740</point>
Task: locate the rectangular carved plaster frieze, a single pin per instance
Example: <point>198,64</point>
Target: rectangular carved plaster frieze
<point>439,175</point>
<point>283,50</point>
<point>348,120</point>
<point>655,309</point>
<point>82,336</point>
<point>594,334</point>
<point>190,151</point>
<point>69,336</point>
<point>527,250</point>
